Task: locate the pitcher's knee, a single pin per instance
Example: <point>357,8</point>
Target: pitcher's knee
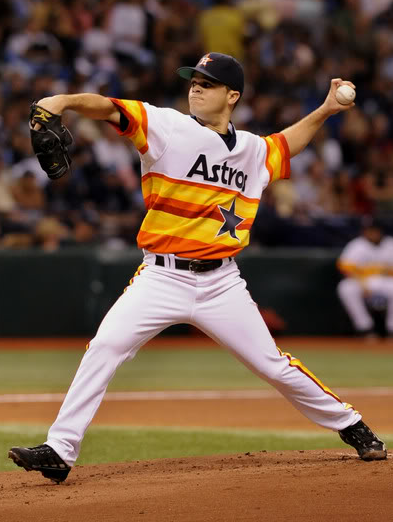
<point>274,376</point>
<point>273,371</point>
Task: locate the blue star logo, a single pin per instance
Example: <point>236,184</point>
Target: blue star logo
<point>231,221</point>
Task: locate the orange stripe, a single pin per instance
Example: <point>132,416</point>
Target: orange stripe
<point>245,225</point>
<point>165,244</point>
<point>149,175</point>
<point>133,123</point>
<point>123,109</point>
<point>277,144</point>
<point>348,269</point>
<point>144,118</point>
<point>145,148</point>
<point>359,271</point>
<point>300,366</point>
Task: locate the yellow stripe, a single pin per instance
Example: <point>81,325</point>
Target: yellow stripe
<point>138,271</point>
<point>360,271</point>
<point>300,366</point>
<point>243,209</point>
<point>275,159</point>
<point>199,229</point>
<point>138,137</point>
<point>348,406</point>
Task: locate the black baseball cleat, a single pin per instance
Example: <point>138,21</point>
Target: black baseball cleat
<point>41,458</point>
<point>365,442</point>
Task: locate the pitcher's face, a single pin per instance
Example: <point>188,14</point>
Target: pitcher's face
<point>206,97</point>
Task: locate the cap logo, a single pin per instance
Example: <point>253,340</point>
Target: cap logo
<point>205,60</point>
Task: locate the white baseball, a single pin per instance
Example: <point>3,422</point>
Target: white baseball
<point>345,94</point>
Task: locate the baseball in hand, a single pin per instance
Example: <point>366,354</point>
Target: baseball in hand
<point>345,94</point>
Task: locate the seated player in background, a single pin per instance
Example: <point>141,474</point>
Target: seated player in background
<point>367,266</point>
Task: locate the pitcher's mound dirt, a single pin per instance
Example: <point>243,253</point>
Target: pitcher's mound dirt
<point>315,486</point>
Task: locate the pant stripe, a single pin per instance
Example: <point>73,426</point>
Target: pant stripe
<point>300,366</point>
<point>138,271</point>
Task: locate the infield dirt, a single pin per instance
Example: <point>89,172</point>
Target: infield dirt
<point>317,486</point>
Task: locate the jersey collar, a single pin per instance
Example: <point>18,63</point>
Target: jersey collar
<point>229,138</point>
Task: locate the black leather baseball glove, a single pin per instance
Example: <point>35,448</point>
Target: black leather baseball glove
<point>50,142</point>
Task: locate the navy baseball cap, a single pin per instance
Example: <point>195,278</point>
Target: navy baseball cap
<point>220,67</point>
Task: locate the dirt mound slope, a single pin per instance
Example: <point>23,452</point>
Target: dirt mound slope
<point>265,486</point>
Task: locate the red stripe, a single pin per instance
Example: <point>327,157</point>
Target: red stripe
<point>190,210</point>
<point>183,208</point>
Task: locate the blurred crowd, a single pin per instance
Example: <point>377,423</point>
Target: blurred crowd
<point>290,50</point>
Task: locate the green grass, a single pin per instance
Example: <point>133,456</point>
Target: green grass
<point>162,369</point>
<point>118,444</point>
<point>47,371</point>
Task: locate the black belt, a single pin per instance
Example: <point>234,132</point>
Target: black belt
<point>194,265</point>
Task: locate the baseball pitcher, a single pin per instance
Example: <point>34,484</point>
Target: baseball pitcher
<point>202,182</point>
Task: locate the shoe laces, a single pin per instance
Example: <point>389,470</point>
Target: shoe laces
<point>45,451</point>
<point>361,434</point>
<point>42,448</point>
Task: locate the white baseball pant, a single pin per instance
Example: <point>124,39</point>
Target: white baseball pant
<point>219,304</point>
<point>352,296</point>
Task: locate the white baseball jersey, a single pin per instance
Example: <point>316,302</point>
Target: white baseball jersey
<point>362,258</point>
<point>369,271</point>
<point>201,197</point>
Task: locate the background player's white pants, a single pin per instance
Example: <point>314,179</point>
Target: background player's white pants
<point>218,303</point>
<point>351,293</point>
